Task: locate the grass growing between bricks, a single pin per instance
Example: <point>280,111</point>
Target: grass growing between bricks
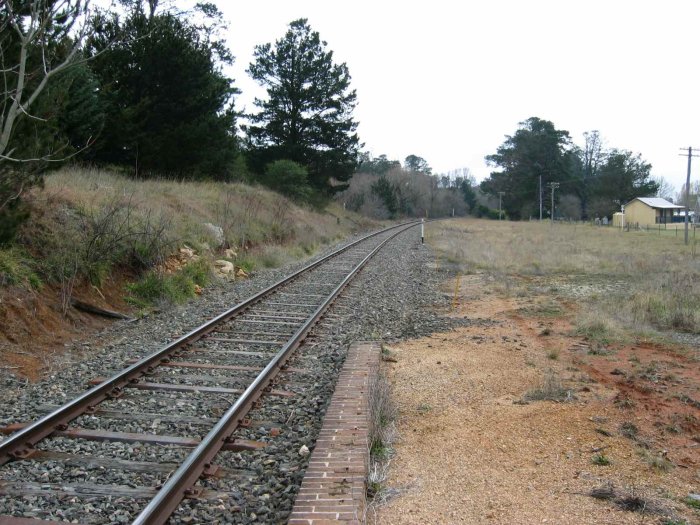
<point>381,434</point>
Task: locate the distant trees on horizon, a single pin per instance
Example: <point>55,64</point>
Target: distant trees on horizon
<point>591,180</point>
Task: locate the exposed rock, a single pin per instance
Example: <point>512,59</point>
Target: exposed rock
<point>216,233</point>
<point>230,254</point>
<point>224,267</point>
<point>241,273</point>
<point>186,252</point>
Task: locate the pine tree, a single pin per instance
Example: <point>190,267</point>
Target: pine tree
<point>307,116</point>
<point>169,106</point>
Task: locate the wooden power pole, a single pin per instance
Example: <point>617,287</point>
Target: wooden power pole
<point>687,190</point>
<point>554,186</point>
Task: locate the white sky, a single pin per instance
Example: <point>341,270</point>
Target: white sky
<point>447,80</point>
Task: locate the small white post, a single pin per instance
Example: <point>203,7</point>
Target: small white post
<point>422,231</point>
<point>622,222</point>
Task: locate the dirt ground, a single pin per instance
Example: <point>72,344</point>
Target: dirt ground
<point>471,447</point>
<point>34,330</point>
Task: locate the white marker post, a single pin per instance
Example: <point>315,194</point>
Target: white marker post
<point>622,222</point>
<point>422,231</point>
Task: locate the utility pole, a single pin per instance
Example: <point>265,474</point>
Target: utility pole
<point>540,197</point>
<point>554,186</point>
<point>687,190</point>
<point>500,198</point>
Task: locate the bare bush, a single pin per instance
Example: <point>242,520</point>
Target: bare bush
<point>113,235</point>
<point>403,193</point>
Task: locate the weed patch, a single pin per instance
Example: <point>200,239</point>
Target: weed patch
<point>17,268</point>
<point>551,389</point>
<point>693,503</point>
<point>631,501</point>
<point>156,287</point>
<point>381,433</point>
<point>601,460</point>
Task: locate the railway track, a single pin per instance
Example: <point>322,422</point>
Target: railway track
<point>178,426</point>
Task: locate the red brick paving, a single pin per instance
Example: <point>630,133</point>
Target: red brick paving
<point>333,490</point>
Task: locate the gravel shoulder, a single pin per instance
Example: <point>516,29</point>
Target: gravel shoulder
<point>471,449</point>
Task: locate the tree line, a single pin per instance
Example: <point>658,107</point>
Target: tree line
<point>591,180</point>
<point>143,89</point>
<point>387,189</point>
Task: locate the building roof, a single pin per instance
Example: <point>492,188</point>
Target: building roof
<point>657,202</point>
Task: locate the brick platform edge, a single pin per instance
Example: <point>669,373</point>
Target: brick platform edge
<point>333,489</point>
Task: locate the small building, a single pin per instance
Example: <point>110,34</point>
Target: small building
<point>617,219</point>
<point>644,212</point>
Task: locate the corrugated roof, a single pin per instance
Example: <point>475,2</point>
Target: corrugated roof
<point>657,202</point>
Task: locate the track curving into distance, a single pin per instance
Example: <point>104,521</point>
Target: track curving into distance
<point>238,353</point>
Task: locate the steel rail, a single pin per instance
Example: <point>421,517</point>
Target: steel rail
<point>180,484</point>
<point>21,444</point>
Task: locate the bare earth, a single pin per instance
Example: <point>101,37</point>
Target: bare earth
<point>469,450</point>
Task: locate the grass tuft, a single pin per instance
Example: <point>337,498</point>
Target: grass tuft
<point>629,430</point>
<point>693,503</point>
<point>601,460</point>
<point>657,463</point>
<point>383,413</point>
<point>551,389</point>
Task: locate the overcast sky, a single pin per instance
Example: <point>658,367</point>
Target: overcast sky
<point>448,80</point>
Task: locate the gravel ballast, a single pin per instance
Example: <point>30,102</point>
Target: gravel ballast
<point>394,297</point>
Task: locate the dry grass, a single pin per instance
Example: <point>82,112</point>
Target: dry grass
<point>628,281</point>
<point>88,225</point>
<point>249,216</point>
<point>550,389</point>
